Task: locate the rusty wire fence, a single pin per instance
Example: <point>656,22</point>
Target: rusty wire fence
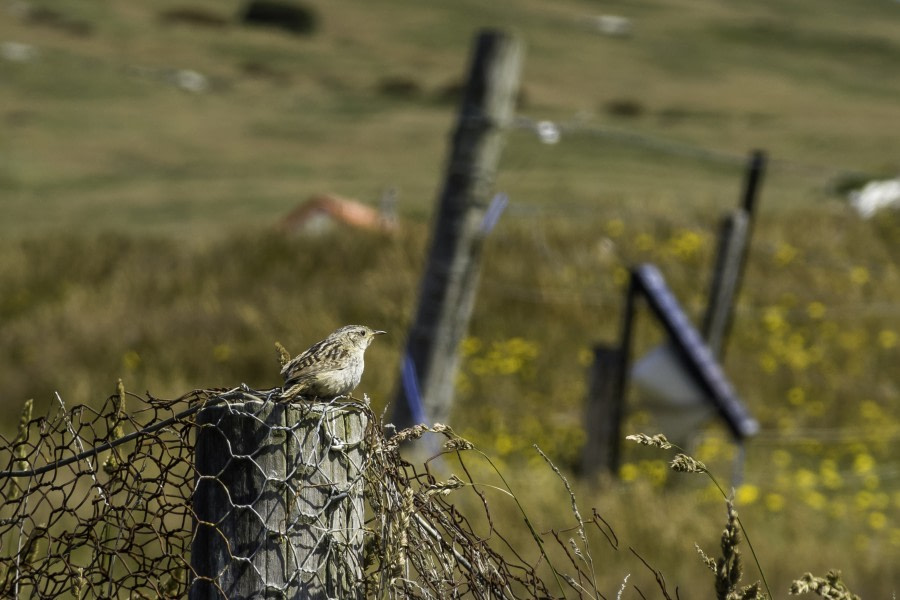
<point>235,494</point>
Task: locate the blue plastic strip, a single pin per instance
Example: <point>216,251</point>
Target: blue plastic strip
<point>495,209</point>
<point>411,389</point>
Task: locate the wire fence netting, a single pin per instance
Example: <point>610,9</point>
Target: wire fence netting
<point>236,494</point>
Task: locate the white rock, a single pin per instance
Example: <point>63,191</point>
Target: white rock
<point>876,196</point>
<point>612,25</point>
<point>18,52</point>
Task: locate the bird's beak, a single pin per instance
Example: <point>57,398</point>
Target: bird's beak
<point>379,332</point>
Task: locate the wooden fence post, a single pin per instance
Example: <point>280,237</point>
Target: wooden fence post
<point>278,501</point>
<point>731,256</point>
<point>605,404</point>
<point>734,231</point>
<point>603,413</point>
<point>448,288</point>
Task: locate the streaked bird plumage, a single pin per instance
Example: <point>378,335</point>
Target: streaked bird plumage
<point>330,368</point>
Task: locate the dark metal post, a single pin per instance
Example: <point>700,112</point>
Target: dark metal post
<point>756,168</point>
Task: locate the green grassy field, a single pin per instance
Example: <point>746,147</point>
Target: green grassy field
<point>97,136</point>
<point>138,236</point>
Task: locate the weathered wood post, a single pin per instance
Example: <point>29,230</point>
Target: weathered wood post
<point>605,404</point>
<point>448,288</point>
<point>731,257</point>
<point>733,238</point>
<point>278,501</point>
<point>603,416</point>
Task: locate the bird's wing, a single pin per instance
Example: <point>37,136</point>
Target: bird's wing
<point>322,356</point>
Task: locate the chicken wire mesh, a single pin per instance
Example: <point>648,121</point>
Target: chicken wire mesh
<point>234,494</point>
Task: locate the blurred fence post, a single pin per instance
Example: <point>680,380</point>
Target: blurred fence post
<point>731,256</point>
<point>733,236</point>
<point>448,288</point>
<point>278,501</point>
<point>605,407</point>
<point>603,413</point>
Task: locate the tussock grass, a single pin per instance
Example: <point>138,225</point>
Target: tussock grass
<point>168,315</point>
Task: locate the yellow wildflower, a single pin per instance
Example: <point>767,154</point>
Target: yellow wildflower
<point>774,502</point>
<point>815,310</point>
<point>859,275</point>
<point>888,338</point>
<point>746,494</point>
<point>877,520</point>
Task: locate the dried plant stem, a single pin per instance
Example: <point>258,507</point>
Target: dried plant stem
<point>685,463</point>
<point>531,529</point>
<point>762,574</point>
<point>581,531</point>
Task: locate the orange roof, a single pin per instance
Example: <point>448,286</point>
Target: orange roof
<point>334,208</point>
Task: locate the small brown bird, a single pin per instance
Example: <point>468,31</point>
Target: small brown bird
<point>330,368</point>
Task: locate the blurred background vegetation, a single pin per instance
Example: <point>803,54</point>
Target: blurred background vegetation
<point>146,158</point>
